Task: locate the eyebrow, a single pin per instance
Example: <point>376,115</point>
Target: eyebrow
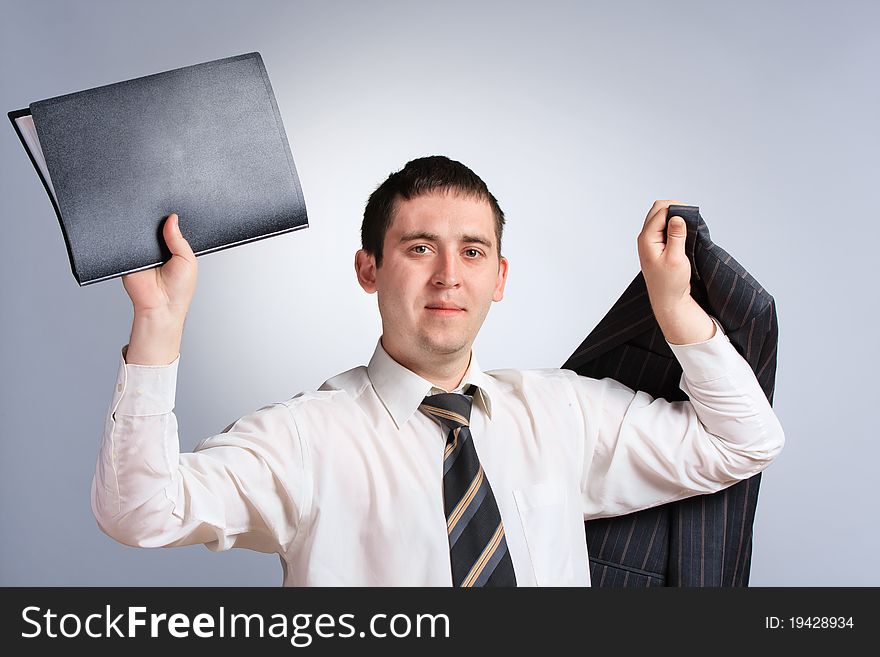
<point>433,237</point>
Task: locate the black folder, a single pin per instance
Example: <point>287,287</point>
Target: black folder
<point>205,141</point>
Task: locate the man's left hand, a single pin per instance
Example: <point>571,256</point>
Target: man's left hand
<point>667,272</point>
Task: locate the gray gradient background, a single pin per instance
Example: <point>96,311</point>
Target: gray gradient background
<point>578,116</point>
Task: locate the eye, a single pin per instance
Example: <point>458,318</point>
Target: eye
<point>473,253</point>
<point>417,247</point>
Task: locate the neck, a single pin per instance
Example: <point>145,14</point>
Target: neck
<point>444,372</point>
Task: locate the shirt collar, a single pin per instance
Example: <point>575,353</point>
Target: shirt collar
<point>402,390</point>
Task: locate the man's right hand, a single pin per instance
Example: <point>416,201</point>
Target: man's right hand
<point>161,297</point>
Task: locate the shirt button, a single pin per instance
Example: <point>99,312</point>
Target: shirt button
<point>119,388</point>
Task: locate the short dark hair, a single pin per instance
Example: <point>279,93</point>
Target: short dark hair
<point>422,176</point>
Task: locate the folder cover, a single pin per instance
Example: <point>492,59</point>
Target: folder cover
<point>205,141</point>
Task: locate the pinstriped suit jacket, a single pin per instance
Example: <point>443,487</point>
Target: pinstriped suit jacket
<point>704,540</point>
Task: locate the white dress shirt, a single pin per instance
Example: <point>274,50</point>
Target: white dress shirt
<point>345,483</point>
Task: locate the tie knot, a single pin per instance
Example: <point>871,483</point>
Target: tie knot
<point>450,409</point>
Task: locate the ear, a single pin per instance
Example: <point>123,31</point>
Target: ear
<point>498,294</point>
<point>365,268</point>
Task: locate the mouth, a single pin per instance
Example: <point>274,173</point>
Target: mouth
<point>444,309</point>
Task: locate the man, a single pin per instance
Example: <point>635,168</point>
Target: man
<point>382,477</point>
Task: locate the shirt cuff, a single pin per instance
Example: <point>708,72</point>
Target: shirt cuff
<point>707,360</point>
<point>144,389</point>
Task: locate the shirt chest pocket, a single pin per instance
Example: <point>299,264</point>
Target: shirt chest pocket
<point>542,511</point>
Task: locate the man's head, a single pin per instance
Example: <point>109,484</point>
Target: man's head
<point>419,177</point>
<point>431,238</point>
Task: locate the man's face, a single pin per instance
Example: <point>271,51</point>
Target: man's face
<point>440,273</point>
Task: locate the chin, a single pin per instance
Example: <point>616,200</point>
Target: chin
<point>444,347</point>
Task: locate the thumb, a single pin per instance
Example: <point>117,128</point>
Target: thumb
<point>174,238</point>
<point>676,231</point>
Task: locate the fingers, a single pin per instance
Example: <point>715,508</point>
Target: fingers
<point>654,231</point>
<point>656,221</point>
<point>654,228</point>
<point>177,244</point>
<point>657,236</point>
<point>657,207</point>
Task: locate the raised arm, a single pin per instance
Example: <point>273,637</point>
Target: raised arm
<point>642,452</point>
<point>145,492</point>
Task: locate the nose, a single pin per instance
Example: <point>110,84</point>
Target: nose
<point>446,274</point>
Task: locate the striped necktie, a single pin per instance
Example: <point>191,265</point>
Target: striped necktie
<point>477,546</point>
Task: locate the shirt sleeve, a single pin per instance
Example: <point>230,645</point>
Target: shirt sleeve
<point>641,452</point>
<point>240,488</point>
